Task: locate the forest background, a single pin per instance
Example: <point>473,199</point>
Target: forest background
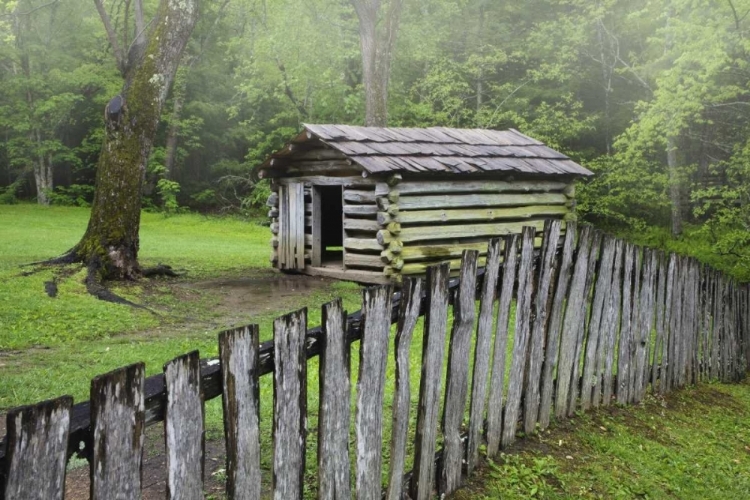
<point>653,96</point>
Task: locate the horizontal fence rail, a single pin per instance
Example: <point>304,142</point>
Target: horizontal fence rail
<point>596,320</point>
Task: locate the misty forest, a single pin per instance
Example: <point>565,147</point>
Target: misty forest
<point>652,96</point>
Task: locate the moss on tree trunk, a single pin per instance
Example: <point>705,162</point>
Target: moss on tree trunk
<point>110,245</point>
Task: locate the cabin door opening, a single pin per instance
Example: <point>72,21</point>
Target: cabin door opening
<point>328,227</point>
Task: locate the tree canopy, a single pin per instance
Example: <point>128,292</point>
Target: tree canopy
<point>652,96</point>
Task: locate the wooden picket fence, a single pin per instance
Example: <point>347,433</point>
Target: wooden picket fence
<point>597,320</point>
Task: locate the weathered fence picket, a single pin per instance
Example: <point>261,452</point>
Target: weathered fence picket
<point>238,354</point>
<point>497,378</point>
<point>573,323</point>
<point>547,266</point>
<point>520,337</point>
<point>608,320</point>
<point>334,410</point>
<point>37,442</point>
<point>433,349</point>
<point>117,416</point>
<point>289,406</point>
<point>183,428</point>
<point>555,326</point>
<point>411,299</point>
<point>482,353</point>
<point>457,377</point>
<point>373,356</point>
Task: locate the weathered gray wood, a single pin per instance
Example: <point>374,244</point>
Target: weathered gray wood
<point>359,196</point>
<point>585,314</point>
<point>289,405</point>
<point>360,210</point>
<point>361,225</point>
<point>626,326</point>
<point>497,378</point>
<point>36,450</point>
<point>646,324</point>
<point>521,336</point>
<point>362,244</point>
<point>411,300</point>
<point>183,427</point>
<point>661,293</point>
<point>635,322</point>
<point>457,377</point>
<point>555,326</point>
<point>482,353</point>
<point>573,322</point>
<point>422,233</point>
<point>334,410</point>
<point>238,352</point>
<point>605,327</point>
<point>540,317</point>
<point>317,229</point>
<point>117,421</point>
<point>325,180</point>
<point>613,323</point>
<point>373,357</point>
<point>422,202</point>
<point>352,259</point>
<point>480,214</point>
<point>591,374</point>
<point>486,186</point>
<point>433,347</point>
<point>667,361</point>
<point>291,226</point>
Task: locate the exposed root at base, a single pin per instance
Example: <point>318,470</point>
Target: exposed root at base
<point>95,287</point>
<point>160,270</point>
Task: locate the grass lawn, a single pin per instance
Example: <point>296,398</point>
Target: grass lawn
<point>693,444</point>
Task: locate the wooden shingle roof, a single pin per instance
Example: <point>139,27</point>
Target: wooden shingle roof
<point>437,150</point>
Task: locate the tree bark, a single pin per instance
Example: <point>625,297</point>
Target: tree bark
<point>377,54</point>
<point>110,245</point>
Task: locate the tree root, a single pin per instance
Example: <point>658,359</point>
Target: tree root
<point>160,270</point>
<point>95,287</point>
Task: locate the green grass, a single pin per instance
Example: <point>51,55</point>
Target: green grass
<point>693,444</point>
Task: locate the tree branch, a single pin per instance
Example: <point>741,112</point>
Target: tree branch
<point>112,36</point>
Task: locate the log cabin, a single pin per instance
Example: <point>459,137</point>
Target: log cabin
<point>373,205</point>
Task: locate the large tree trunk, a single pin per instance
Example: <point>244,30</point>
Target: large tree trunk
<point>110,245</point>
<point>377,53</point>
<point>43,179</point>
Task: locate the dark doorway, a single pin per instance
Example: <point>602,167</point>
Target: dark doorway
<point>331,225</point>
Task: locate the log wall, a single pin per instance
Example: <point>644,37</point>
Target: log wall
<point>397,226</point>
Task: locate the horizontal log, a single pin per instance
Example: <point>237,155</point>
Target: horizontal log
<point>382,202</point>
<point>393,196</point>
<point>444,251</point>
<point>318,154</point>
<point>436,232</point>
<point>274,242</point>
<point>273,213</point>
<point>386,256</point>
<point>421,268</point>
<point>360,209</point>
<point>362,260</point>
<point>394,227</point>
<point>326,180</point>
<point>444,187</point>
<point>394,179</point>
<point>382,189</point>
<point>397,263</point>
<point>361,225</point>
<point>361,244</point>
<point>275,228</point>
<point>273,200</point>
<point>359,196</point>
<point>480,214</point>
<point>396,246</point>
<point>418,202</point>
